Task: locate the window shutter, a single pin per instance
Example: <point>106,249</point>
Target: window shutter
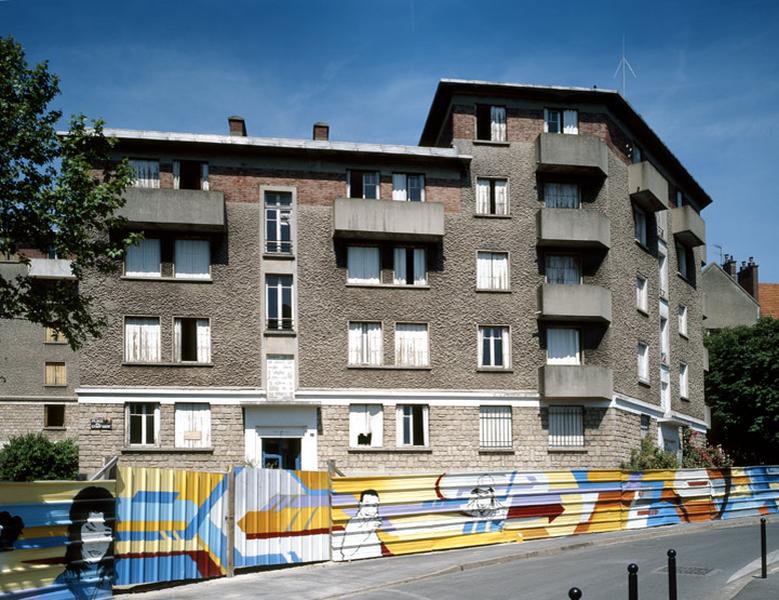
<point>411,345</point>
<point>571,121</point>
<point>483,196</point>
<point>483,270</point>
<point>501,197</point>
<point>355,343</point>
<point>375,344</point>
<point>203,341</point>
<point>193,425</point>
<point>500,271</point>
<point>142,340</point>
<point>399,189</point>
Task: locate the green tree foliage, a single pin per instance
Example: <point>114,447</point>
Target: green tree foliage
<point>649,456</point>
<point>698,453</point>
<point>34,457</point>
<point>57,193</point>
<point>742,389</point>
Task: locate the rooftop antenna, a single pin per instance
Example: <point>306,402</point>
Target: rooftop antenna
<point>623,66</point>
<point>718,247</point>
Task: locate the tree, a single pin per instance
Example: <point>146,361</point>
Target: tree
<point>35,457</point>
<point>742,389</point>
<point>649,456</point>
<point>58,193</point>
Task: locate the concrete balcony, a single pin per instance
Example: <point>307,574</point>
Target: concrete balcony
<point>38,268</point>
<point>575,382</point>
<point>174,210</point>
<point>572,154</point>
<point>12,269</point>
<point>647,187</point>
<point>582,303</point>
<point>570,228</point>
<point>688,226</point>
<point>355,218</point>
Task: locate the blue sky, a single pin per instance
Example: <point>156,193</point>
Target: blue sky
<point>708,74</point>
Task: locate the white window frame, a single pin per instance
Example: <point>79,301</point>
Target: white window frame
<point>565,116</point>
<point>278,290</point>
<point>682,315</point>
<point>492,197</point>
<point>205,357</point>
<point>642,294</point>
<point>372,415</point>
<point>399,421</point>
<point>684,380</point>
<point>351,252</point>
<point>419,279</point>
<point>575,360</point>
<point>506,347</point>
<point>401,187</point>
<point>127,357</point>
<point>496,428</point>
<point>491,278</point>
<point>177,274</point>
<point>181,439</point>
<point>364,173</point>
<point>572,417</point>
<point>642,361</point>
<point>176,167</point>
<point>283,214</point>
<point>139,247</point>
<point>424,353</point>
<point>155,425</point>
<point>378,353</point>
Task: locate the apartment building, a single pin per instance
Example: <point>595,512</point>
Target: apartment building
<point>518,290</point>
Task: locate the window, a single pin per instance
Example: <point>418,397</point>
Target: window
<point>55,374</point>
<point>642,354</point>
<point>363,184</point>
<point>193,425</point>
<point>193,259</point>
<point>146,173</point>
<point>644,427</point>
<point>409,266</point>
<point>636,156</point>
<point>52,336</point>
<point>686,262</point>
<point>562,195</point>
<point>492,196</point>
<point>562,346</point>
<point>662,259</point>
<point>490,123</point>
<point>278,298</point>
<point>642,294</point>
<point>639,225</point>
<point>563,269</point>
<point>192,340</point>
<point>143,259</point>
<point>495,427</point>
<point>366,344</point>
<point>494,347</point>
<point>683,381</point>
<point>190,175</point>
<point>362,265</point>
<point>411,425</point>
<point>366,425</point>
<point>141,340</point>
<point>678,199</point>
<point>278,222</point>
<point>492,271</point>
<point>682,320</point>
<point>411,345</point>
<point>408,187</point>
<point>566,426</point>
<point>142,423</point>
<point>561,121</point>
<point>665,341</point>
<point>54,415</point>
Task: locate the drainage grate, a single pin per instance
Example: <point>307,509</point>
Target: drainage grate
<point>699,571</point>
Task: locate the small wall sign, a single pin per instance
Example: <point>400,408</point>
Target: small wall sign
<point>100,423</point>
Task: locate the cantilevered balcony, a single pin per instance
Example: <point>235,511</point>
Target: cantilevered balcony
<point>688,226</point>
<point>583,303</point>
<point>169,209</point>
<point>570,228</point>
<point>575,382</point>
<point>38,268</point>
<point>572,154</point>
<point>355,218</point>
<point>647,187</point>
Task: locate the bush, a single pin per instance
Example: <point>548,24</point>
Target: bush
<point>34,457</point>
<point>649,456</point>
<point>699,454</point>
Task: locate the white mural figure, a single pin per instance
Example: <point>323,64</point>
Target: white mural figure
<point>360,537</point>
<point>483,504</point>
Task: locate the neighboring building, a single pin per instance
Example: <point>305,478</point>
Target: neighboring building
<point>769,299</point>
<point>520,290</point>
<point>731,298</point>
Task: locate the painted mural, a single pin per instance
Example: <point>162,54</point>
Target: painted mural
<point>170,525</point>
<point>56,539</point>
<point>281,517</point>
<point>380,516</point>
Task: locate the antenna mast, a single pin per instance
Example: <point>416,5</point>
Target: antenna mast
<point>624,66</point>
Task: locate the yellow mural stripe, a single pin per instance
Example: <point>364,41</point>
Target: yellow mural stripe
<point>147,526</point>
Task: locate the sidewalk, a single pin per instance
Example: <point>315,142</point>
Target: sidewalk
<point>336,580</point>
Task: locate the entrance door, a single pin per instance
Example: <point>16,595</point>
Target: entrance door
<point>281,453</point>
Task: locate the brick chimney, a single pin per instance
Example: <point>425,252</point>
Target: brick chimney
<point>321,131</point>
<point>237,126</point>
<point>730,265</point>
<point>747,278</point>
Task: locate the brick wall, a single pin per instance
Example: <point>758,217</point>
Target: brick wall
<point>20,418</point>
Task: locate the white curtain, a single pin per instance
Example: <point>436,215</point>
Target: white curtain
<point>193,258</point>
<point>363,264</point>
<point>204,176</point>
<point>501,197</point>
<point>420,266</point>
<point>563,269</point>
<point>411,345</point>
<point>143,259</point>
<point>399,189</point>
<point>368,420</point>
<point>562,346</point>
<point>193,425</point>
<point>365,344</point>
<point>492,271</point>
<point>400,276</point>
<point>147,173</point>
<point>498,123</point>
<point>571,121</point>
<point>141,340</point>
<point>203,341</point>
<point>483,196</point>
<point>176,174</point>
<point>561,195</point>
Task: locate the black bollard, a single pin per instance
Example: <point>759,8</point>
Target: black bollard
<point>763,558</point>
<point>672,574</point>
<point>575,594</point>
<point>632,581</point>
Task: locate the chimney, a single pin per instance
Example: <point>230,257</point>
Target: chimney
<point>237,126</point>
<point>730,265</point>
<point>747,278</point>
<point>321,131</point>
